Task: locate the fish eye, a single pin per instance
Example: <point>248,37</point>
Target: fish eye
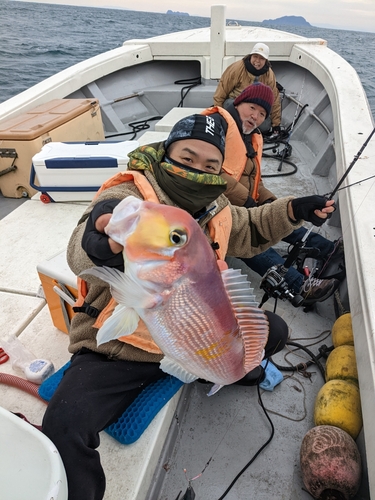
<point>178,237</point>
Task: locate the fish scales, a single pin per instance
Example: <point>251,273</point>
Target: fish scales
<point>190,335</point>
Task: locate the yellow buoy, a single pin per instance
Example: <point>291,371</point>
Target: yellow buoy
<point>341,364</point>
<point>342,331</point>
<point>338,403</point>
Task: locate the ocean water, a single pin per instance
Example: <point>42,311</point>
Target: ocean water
<point>38,40</point>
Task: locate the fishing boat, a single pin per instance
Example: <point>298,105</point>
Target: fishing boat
<point>133,95</point>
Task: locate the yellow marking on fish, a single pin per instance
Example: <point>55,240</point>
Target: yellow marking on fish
<point>152,230</point>
<point>215,350</point>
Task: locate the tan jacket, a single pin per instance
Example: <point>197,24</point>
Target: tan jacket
<point>236,78</point>
<point>253,231</point>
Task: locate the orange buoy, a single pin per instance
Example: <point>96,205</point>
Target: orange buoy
<point>330,463</point>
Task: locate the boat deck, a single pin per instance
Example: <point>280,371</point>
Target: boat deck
<point>217,435</point>
<point>25,313</point>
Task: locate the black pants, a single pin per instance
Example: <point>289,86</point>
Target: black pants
<point>93,393</point>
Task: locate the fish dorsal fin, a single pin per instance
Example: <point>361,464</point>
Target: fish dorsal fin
<point>252,321</point>
<point>170,366</point>
<point>237,285</point>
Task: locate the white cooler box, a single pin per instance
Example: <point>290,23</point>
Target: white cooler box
<point>71,171</point>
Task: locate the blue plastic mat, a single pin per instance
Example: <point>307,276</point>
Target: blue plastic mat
<point>135,419</point>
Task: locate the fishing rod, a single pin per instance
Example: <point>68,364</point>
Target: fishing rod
<point>273,282</point>
<point>355,159</point>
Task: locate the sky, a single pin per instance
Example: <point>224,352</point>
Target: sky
<point>358,15</point>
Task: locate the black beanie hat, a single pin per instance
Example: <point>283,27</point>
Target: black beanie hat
<point>257,93</point>
<point>205,128</point>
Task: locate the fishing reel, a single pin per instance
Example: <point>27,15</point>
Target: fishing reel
<point>273,282</point>
<point>274,285</point>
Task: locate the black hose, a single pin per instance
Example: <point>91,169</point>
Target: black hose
<point>285,174</point>
<point>257,453</point>
<point>190,83</point>
<point>137,127</point>
<point>302,366</point>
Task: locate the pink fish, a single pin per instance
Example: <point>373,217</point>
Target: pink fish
<point>205,321</point>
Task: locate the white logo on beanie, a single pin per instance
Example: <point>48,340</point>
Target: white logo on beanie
<point>210,126</point>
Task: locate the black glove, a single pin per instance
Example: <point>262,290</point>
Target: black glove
<point>303,208</point>
<point>95,243</point>
<point>250,203</point>
<point>276,130</point>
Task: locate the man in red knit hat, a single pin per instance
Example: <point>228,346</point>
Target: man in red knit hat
<point>245,187</point>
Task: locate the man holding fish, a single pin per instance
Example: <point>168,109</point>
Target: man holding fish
<point>161,299</point>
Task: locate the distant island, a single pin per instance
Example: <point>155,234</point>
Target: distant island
<point>177,13</point>
<point>288,20</point>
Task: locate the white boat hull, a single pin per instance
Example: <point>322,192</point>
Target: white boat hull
<point>136,83</point>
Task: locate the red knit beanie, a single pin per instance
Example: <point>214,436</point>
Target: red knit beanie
<point>258,93</point>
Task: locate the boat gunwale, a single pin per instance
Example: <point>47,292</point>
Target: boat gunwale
<point>352,124</point>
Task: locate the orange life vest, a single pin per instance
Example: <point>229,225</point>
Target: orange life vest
<point>235,150</point>
<point>219,229</point>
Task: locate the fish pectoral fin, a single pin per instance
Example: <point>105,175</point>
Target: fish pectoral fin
<point>214,389</point>
<point>124,289</point>
<point>122,322</point>
<point>170,366</point>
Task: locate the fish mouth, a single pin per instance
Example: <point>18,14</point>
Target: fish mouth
<point>123,230</point>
